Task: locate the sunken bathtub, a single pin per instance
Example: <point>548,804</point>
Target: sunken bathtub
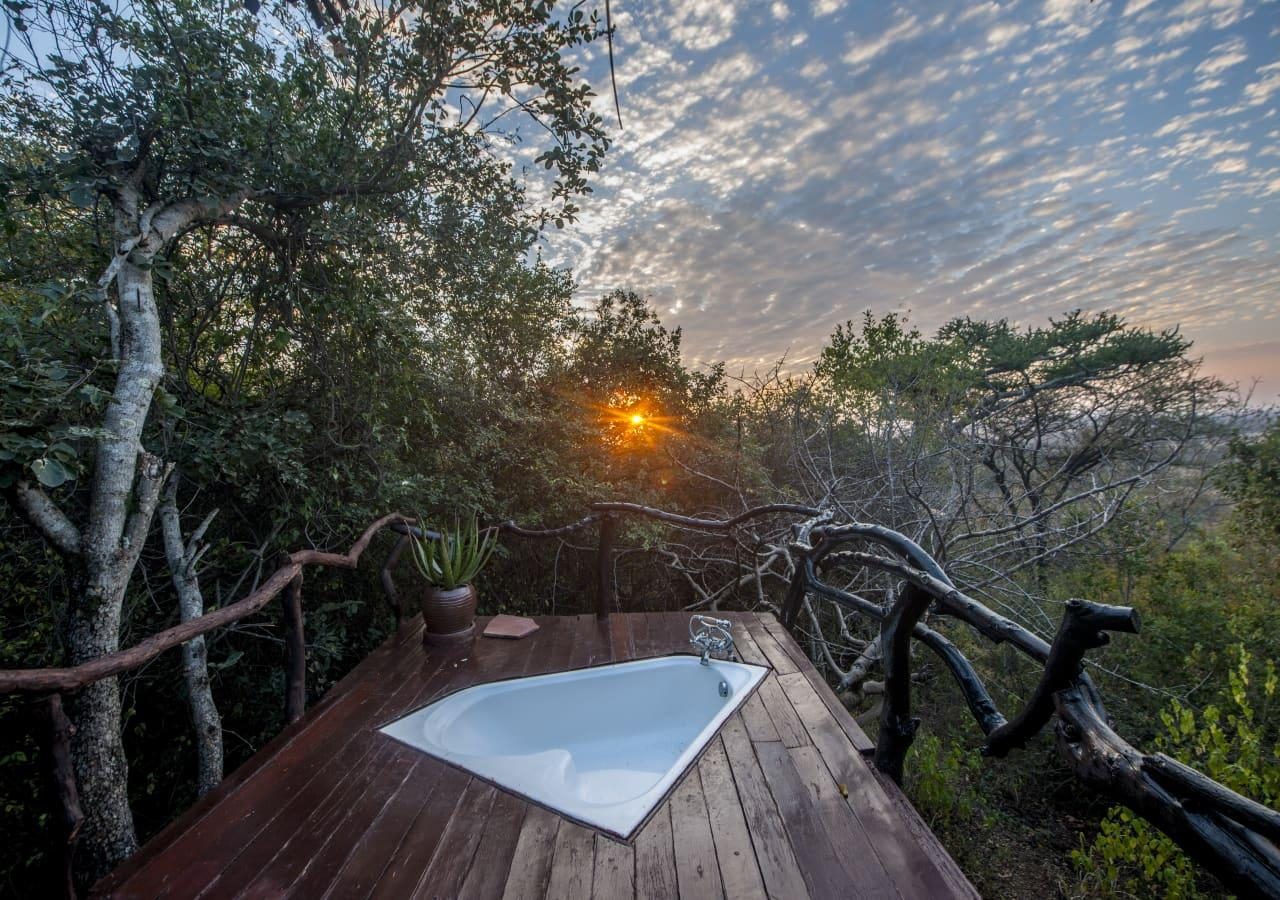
<point>601,745</point>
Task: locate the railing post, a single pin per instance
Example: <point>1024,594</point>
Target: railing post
<point>295,651</point>
<point>388,579</point>
<point>604,565</point>
<point>67,812</point>
<point>1084,626</point>
<point>897,728</point>
<point>795,596</point>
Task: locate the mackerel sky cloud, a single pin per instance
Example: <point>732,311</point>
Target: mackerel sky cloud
<point>785,166</point>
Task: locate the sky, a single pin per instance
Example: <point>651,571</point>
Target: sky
<point>785,166</point>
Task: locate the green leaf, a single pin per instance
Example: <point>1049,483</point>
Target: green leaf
<point>82,196</point>
<point>50,472</point>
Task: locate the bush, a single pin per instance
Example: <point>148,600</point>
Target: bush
<point>1235,745</point>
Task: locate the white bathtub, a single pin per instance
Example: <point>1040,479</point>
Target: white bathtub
<point>601,745</point>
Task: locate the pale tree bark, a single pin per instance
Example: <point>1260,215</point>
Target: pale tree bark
<point>123,495</point>
<point>183,559</point>
<point>120,514</point>
<point>112,540</point>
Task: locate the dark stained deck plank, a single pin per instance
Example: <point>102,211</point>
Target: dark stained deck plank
<point>853,849</point>
<point>818,859</point>
<point>194,860</point>
<point>558,638</point>
<point>588,642</point>
<point>385,786</point>
<point>670,633</point>
<point>573,865</point>
<point>415,852</point>
<point>491,864</point>
<point>642,644</point>
<point>774,853</point>
<point>278,852</point>
<point>656,857</point>
<point>384,655</point>
<point>615,870</point>
<point>621,641</point>
<point>554,641</point>
<point>312,841</point>
<point>366,862</point>
<point>844,719</point>
<point>331,808</point>
<point>739,870</point>
<point>602,641</point>
<point>697,871</point>
<point>530,870</point>
<point>458,845</point>
<point>898,851</point>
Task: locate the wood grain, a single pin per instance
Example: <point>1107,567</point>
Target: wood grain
<point>332,808</point>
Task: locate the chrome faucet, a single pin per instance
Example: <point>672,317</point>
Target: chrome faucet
<point>711,636</point>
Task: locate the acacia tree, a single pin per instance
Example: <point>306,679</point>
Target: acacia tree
<point>161,119</point>
<point>1003,451</point>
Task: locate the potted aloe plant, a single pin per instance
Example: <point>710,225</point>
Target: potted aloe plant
<point>450,562</point>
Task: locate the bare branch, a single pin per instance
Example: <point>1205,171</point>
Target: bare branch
<point>47,518</point>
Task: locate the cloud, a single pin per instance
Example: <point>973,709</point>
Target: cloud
<point>1260,91</point>
<point>778,175</point>
<point>703,24</point>
<point>1223,57</point>
<point>860,52</point>
<point>1230,166</point>
<point>1000,35</point>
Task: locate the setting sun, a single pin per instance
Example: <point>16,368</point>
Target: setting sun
<point>637,419</point>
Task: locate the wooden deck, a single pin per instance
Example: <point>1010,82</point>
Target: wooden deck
<point>781,804</point>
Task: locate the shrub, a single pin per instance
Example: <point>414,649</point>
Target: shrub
<point>1234,744</point>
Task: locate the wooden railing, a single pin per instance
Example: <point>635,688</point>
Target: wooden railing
<point>51,683</point>
<point>1232,836</point>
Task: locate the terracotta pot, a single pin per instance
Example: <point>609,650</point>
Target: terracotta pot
<point>449,615</point>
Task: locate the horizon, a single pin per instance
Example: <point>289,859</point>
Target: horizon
<point>785,167</point>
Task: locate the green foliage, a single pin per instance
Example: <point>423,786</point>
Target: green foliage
<point>455,558</point>
<point>942,781</point>
<point>976,365</point>
<point>1252,479</point>
<point>1235,744</point>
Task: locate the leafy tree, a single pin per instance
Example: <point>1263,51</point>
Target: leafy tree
<point>1252,479</point>
<point>171,120</point>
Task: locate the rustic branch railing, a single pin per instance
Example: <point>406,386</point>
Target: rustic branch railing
<point>285,582</point>
<point>1232,836</point>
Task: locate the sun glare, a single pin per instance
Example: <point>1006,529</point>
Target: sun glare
<point>637,419</point>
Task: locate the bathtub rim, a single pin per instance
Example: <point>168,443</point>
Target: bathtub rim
<point>629,839</point>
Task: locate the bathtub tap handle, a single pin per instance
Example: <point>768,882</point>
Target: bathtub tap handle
<point>710,636</point>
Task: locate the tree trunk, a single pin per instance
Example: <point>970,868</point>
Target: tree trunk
<point>205,720</point>
<point>119,519</point>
